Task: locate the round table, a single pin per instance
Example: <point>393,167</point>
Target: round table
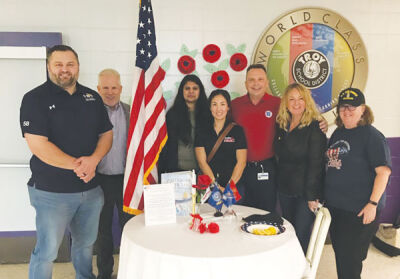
<point>174,251</point>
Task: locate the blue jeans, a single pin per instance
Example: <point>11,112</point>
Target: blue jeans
<point>295,210</point>
<point>55,212</point>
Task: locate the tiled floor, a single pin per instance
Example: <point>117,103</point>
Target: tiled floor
<point>376,266</point>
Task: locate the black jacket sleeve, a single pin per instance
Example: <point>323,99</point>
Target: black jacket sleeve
<point>316,167</point>
<point>168,160</point>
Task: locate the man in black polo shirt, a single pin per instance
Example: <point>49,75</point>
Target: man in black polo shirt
<point>68,131</point>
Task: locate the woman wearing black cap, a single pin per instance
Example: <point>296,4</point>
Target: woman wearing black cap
<point>358,170</point>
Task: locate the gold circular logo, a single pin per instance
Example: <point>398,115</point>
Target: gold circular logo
<point>317,48</point>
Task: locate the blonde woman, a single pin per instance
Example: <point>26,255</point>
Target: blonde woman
<point>299,148</point>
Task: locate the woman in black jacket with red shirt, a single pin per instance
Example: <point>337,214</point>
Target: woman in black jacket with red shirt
<point>299,148</point>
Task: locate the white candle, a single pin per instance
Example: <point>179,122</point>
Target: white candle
<point>193,192</point>
<point>193,178</point>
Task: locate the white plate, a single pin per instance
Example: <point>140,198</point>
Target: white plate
<point>249,227</point>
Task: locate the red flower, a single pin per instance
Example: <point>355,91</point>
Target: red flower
<point>211,53</point>
<point>220,79</point>
<point>196,216</point>
<point>213,228</point>
<point>186,64</point>
<point>202,228</point>
<point>204,180</point>
<point>238,62</point>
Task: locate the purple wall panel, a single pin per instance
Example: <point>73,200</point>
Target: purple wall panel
<point>30,39</point>
<point>392,208</point>
<point>395,166</point>
<point>393,189</point>
<point>18,234</point>
<point>394,144</point>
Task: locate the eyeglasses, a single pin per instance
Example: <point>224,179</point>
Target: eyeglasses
<point>348,107</point>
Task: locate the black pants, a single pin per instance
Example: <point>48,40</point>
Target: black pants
<point>260,193</point>
<point>350,241</point>
<point>112,186</point>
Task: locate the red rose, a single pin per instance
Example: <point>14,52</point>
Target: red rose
<point>202,228</point>
<point>200,187</point>
<point>220,79</point>
<point>204,180</point>
<point>211,53</point>
<point>186,64</point>
<point>213,228</point>
<point>238,62</point>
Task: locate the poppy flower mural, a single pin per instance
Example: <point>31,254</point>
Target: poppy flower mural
<point>238,62</point>
<point>186,64</point>
<point>220,79</point>
<point>211,53</point>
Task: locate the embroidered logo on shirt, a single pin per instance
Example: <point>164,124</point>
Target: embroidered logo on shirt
<point>229,139</point>
<point>53,106</point>
<point>89,97</point>
<point>25,123</point>
<point>268,113</point>
<point>337,151</point>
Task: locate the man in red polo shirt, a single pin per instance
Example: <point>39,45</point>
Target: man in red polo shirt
<point>256,113</point>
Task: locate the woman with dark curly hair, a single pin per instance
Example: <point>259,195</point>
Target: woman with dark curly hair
<point>189,110</point>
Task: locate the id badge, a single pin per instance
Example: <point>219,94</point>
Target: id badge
<point>262,176</point>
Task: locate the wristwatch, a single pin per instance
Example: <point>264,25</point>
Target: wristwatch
<point>373,203</point>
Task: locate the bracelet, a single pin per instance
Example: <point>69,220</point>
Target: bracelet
<point>373,203</point>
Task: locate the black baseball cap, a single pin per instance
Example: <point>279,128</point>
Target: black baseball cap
<point>351,96</point>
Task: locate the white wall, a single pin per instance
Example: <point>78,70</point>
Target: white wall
<point>103,33</point>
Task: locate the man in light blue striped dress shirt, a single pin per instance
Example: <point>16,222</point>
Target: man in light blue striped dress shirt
<point>111,169</point>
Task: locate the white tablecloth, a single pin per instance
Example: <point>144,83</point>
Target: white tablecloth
<point>174,251</point>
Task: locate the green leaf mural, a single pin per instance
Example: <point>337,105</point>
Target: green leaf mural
<point>241,48</point>
<point>184,50</point>
<point>167,94</point>
<point>193,53</point>
<point>210,68</point>
<point>234,95</point>
<point>166,64</point>
<point>230,49</point>
<point>223,65</point>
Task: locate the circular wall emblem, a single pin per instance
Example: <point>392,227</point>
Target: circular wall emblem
<point>311,68</point>
<point>317,48</point>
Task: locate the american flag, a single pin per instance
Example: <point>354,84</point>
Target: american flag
<point>147,130</point>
